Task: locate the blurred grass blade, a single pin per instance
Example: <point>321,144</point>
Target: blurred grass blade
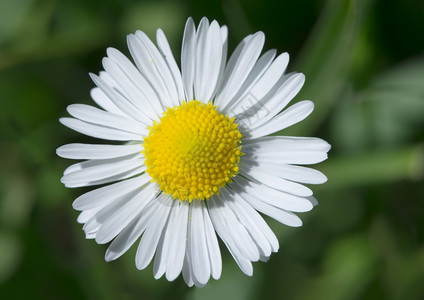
<point>374,168</point>
<point>327,56</point>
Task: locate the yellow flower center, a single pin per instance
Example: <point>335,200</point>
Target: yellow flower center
<point>192,151</point>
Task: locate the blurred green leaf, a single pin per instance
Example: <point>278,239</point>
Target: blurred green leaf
<point>12,15</point>
<point>11,254</point>
<point>327,56</point>
<point>50,30</point>
<point>349,267</point>
<point>373,168</point>
<point>387,113</point>
<point>403,268</point>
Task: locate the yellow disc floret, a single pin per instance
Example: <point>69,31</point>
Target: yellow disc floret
<point>192,151</point>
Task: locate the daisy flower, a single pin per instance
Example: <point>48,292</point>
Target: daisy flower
<point>196,158</point>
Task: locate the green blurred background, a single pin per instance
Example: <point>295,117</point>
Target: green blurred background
<point>364,66</point>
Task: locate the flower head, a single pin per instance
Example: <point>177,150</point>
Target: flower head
<point>198,159</point>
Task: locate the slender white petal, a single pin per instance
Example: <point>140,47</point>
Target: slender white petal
<point>137,83</point>
<point>93,224</point>
<point>117,97</point>
<point>103,195</point>
<point>187,273</point>
<point>268,107</point>
<point>224,42</point>
<point>208,61</point>
<point>125,175</point>
<point>272,196</point>
<point>126,214</point>
<point>89,151</point>
<point>150,239</point>
<point>197,243</point>
<point>285,171</point>
<point>99,169</point>
<point>244,263</point>
<point>259,221</point>
<point>231,230</point>
<point>157,65</point>
<point>127,237</point>
<point>161,257</point>
<point>275,182</point>
<point>188,57</point>
<point>286,217</point>
<point>239,67</point>
<point>85,215</point>
<point>283,143</point>
<point>175,238</point>
<point>166,51</point>
<point>99,131</point>
<point>288,156</point>
<point>213,247</point>
<point>257,236</point>
<point>135,92</point>
<point>294,114</point>
<point>243,100</point>
<point>97,116</point>
<point>104,102</point>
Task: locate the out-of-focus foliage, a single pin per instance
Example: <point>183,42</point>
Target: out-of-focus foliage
<point>364,66</point>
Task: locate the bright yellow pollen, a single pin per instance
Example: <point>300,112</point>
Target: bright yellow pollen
<point>192,151</point>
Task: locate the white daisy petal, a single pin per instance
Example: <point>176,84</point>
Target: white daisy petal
<point>144,61</point>
<point>288,156</point>
<point>294,114</point>
<point>289,88</point>
<point>286,217</point>
<point>275,182</point>
<point>99,131</point>
<point>104,102</point>
<point>197,163</point>
<point>166,51</point>
<point>163,73</point>
<point>244,218</point>
<point>213,247</point>
<point>285,171</point>
<point>197,243</point>
<point>118,177</point>
<point>103,195</point>
<point>265,109</point>
<point>187,274</point>
<point>106,211</point>
<point>224,42</point>
<point>117,97</point>
<point>126,238</point>
<point>258,221</point>
<point>229,229</point>
<point>223,232</point>
<point>188,57</point>
<point>283,143</point>
<point>176,235</point>
<point>161,257</point>
<point>98,169</point>
<point>137,83</point>
<point>150,239</point>
<point>86,215</point>
<point>208,61</point>
<point>272,196</point>
<point>239,67</point>
<point>131,233</point>
<point>97,116</point>
<point>242,100</point>
<point>136,88</point>
<point>89,151</point>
